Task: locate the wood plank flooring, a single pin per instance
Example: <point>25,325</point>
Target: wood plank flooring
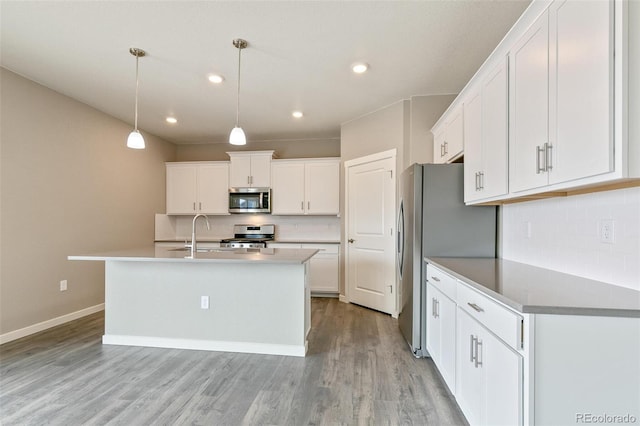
<point>359,371</point>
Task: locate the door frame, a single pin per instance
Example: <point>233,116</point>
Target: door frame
<point>384,155</point>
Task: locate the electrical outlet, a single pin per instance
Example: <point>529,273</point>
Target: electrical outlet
<point>204,302</point>
<point>607,231</point>
<point>63,285</point>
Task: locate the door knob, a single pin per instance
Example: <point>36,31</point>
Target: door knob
<point>351,240</point>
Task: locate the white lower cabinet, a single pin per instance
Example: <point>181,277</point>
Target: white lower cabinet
<point>323,274</point>
<point>489,376</point>
<point>441,334</point>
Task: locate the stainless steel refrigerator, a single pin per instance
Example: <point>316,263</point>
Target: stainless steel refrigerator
<point>434,221</point>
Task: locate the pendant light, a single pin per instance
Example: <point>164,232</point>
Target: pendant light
<point>135,139</point>
<point>237,136</point>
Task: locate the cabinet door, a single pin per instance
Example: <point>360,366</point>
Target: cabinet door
<point>181,189</point>
<point>240,171</point>
<point>260,171</point>
<point>447,365</point>
<point>493,180</point>
<point>581,87</point>
<point>323,273</point>
<point>433,325</point>
<point>288,188</point>
<point>528,106</point>
<point>502,382</point>
<point>473,147</point>
<point>438,144</point>
<point>469,380</point>
<point>322,188</point>
<point>213,188</point>
<point>454,140</point>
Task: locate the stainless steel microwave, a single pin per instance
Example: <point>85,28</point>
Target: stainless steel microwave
<point>250,200</point>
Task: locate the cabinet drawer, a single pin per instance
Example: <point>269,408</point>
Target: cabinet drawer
<point>442,281</point>
<point>324,248</point>
<point>503,322</point>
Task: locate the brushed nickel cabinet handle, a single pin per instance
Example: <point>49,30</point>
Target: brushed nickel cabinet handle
<point>478,353</point>
<point>475,307</point>
<point>436,279</point>
<point>473,346</point>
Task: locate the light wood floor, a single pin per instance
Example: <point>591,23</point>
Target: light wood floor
<point>358,370</point>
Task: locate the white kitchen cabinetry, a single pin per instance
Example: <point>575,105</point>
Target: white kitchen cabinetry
<point>441,333</point>
<point>323,267</point>
<point>489,376</point>
<point>448,136</point>
<point>197,187</point>
<point>486,137</point>
<point>250,169</point>
<point>516,367</point>
<point>561,96</point>
<point>305,187</point>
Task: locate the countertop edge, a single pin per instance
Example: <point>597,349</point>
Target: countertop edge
<point>537,309</point>
<point>144,256</point>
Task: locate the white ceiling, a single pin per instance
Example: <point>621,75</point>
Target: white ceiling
<point>299,58</point>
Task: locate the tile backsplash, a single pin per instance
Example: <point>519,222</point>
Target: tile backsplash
<point>316,228</point>
<point>565,234</point>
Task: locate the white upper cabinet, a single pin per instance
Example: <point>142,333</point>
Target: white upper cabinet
<point>448,136</point>
<point>305,187</point>
<point>581,89</point>
<point>250,169</point>
<point>561,103</point>
<point>197,187</point>
<point>486,138</point>
<point>557,116</point>
<point>287,193</point>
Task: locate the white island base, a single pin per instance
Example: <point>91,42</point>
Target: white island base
<point>253,306</point>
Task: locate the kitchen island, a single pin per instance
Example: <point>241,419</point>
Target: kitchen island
<point>231,300</point>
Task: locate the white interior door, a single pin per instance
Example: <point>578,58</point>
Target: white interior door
<point>370,200</point>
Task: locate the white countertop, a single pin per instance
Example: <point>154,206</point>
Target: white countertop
<point>530,289</point>
<point>164,254</point>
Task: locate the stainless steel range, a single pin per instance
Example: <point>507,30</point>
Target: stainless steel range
<point>250,236</point>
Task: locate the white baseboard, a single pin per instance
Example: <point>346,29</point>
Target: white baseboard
<point>206,345</point>
<point>36,328</point>
<point>343,298</point>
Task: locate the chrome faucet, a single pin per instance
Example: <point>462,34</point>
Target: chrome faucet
<point>194,249</point>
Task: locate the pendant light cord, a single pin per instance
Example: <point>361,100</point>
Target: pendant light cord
<point>238,103</point>
<point>137,84</point>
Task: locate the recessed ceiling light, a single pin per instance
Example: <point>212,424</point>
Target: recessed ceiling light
<point>359,68</point>
<point>297,114</point>
<point>171,120</point>
<point>215,78</point>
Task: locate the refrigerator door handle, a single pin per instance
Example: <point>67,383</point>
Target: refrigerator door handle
<point>400,239</point>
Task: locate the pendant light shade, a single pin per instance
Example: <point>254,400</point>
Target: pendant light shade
<point>135,139</point>
<point>237,137</point>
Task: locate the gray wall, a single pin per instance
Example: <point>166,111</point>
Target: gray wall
<point>425,111</point>
<point>309,148</point>
<point>68,186</point>
<point>404,125</point>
